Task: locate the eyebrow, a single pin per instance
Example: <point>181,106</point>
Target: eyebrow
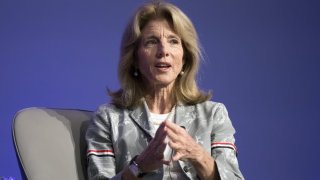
<point>152,36</point>
<point>174,36</point>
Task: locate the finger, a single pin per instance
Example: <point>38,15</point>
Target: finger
<point>174,127</point>
<point>161,147</point>
<point>166,162</point>
<point>160,137</point>
<point>180,135</point>
<point>170,125</point>
<point>161,129</point>
<point>177,156</point>
<point>174,145</point>
<point>158,152</point>
<point>156,146</point>
<point>172,135</point>
<point>160,133</point>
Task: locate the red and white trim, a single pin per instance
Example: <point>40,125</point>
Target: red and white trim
<point>223,145</point>
<point>104,152</point>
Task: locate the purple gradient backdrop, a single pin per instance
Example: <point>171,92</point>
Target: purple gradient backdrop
<point>262,61</point>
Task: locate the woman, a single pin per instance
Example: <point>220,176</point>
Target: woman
<point>159,124</point>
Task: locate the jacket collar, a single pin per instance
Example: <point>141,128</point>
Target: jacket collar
<point>184,116</point>
<point>140,117</point>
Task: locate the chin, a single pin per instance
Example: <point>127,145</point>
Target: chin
<point>163,83</point>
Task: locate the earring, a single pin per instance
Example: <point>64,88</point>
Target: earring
<point>181,73</point>
<point>135,73</point>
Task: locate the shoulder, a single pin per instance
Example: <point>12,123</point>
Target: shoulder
<point>107,110</point>
<point>213,110</point>
<point>107,114</point>
<point>211,106</point>
<point>206,108</point>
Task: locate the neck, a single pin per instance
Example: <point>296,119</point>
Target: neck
<point>160,101</point>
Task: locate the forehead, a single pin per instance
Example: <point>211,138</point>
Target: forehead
<point>158,27</point>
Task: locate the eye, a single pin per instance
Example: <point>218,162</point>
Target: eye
<point>150,42</point>
<point>174,41</point>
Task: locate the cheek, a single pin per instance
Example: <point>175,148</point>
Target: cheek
<point>179,59</point>
<point>143,59</point>
<point>179,66</point>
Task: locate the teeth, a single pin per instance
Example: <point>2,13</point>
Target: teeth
<point>162,65</point>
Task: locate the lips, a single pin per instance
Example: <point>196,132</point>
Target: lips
<point>163,65</point>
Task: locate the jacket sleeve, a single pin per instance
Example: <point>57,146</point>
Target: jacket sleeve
<point>100,154</point>
<point>223,149</point>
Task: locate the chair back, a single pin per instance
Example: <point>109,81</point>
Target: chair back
<point>50,143</point>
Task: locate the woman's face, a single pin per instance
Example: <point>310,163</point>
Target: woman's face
<point>160,54</point>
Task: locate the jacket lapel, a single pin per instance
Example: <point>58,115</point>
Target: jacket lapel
<point>185,115</point>
<point>140,116</point>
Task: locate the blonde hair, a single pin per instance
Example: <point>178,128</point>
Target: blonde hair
<point>132,88</point>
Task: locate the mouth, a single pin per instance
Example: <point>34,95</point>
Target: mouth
<point>162,65</point>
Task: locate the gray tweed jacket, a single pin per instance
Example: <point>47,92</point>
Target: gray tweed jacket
<point>116,135</point>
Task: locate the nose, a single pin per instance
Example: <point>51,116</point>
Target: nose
<point>162,50</point>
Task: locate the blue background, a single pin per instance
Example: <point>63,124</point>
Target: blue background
<point>262,59</point>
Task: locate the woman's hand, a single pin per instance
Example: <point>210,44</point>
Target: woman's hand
<point>186,148</point>
<point>152,157</point>
<point>182,143</point>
